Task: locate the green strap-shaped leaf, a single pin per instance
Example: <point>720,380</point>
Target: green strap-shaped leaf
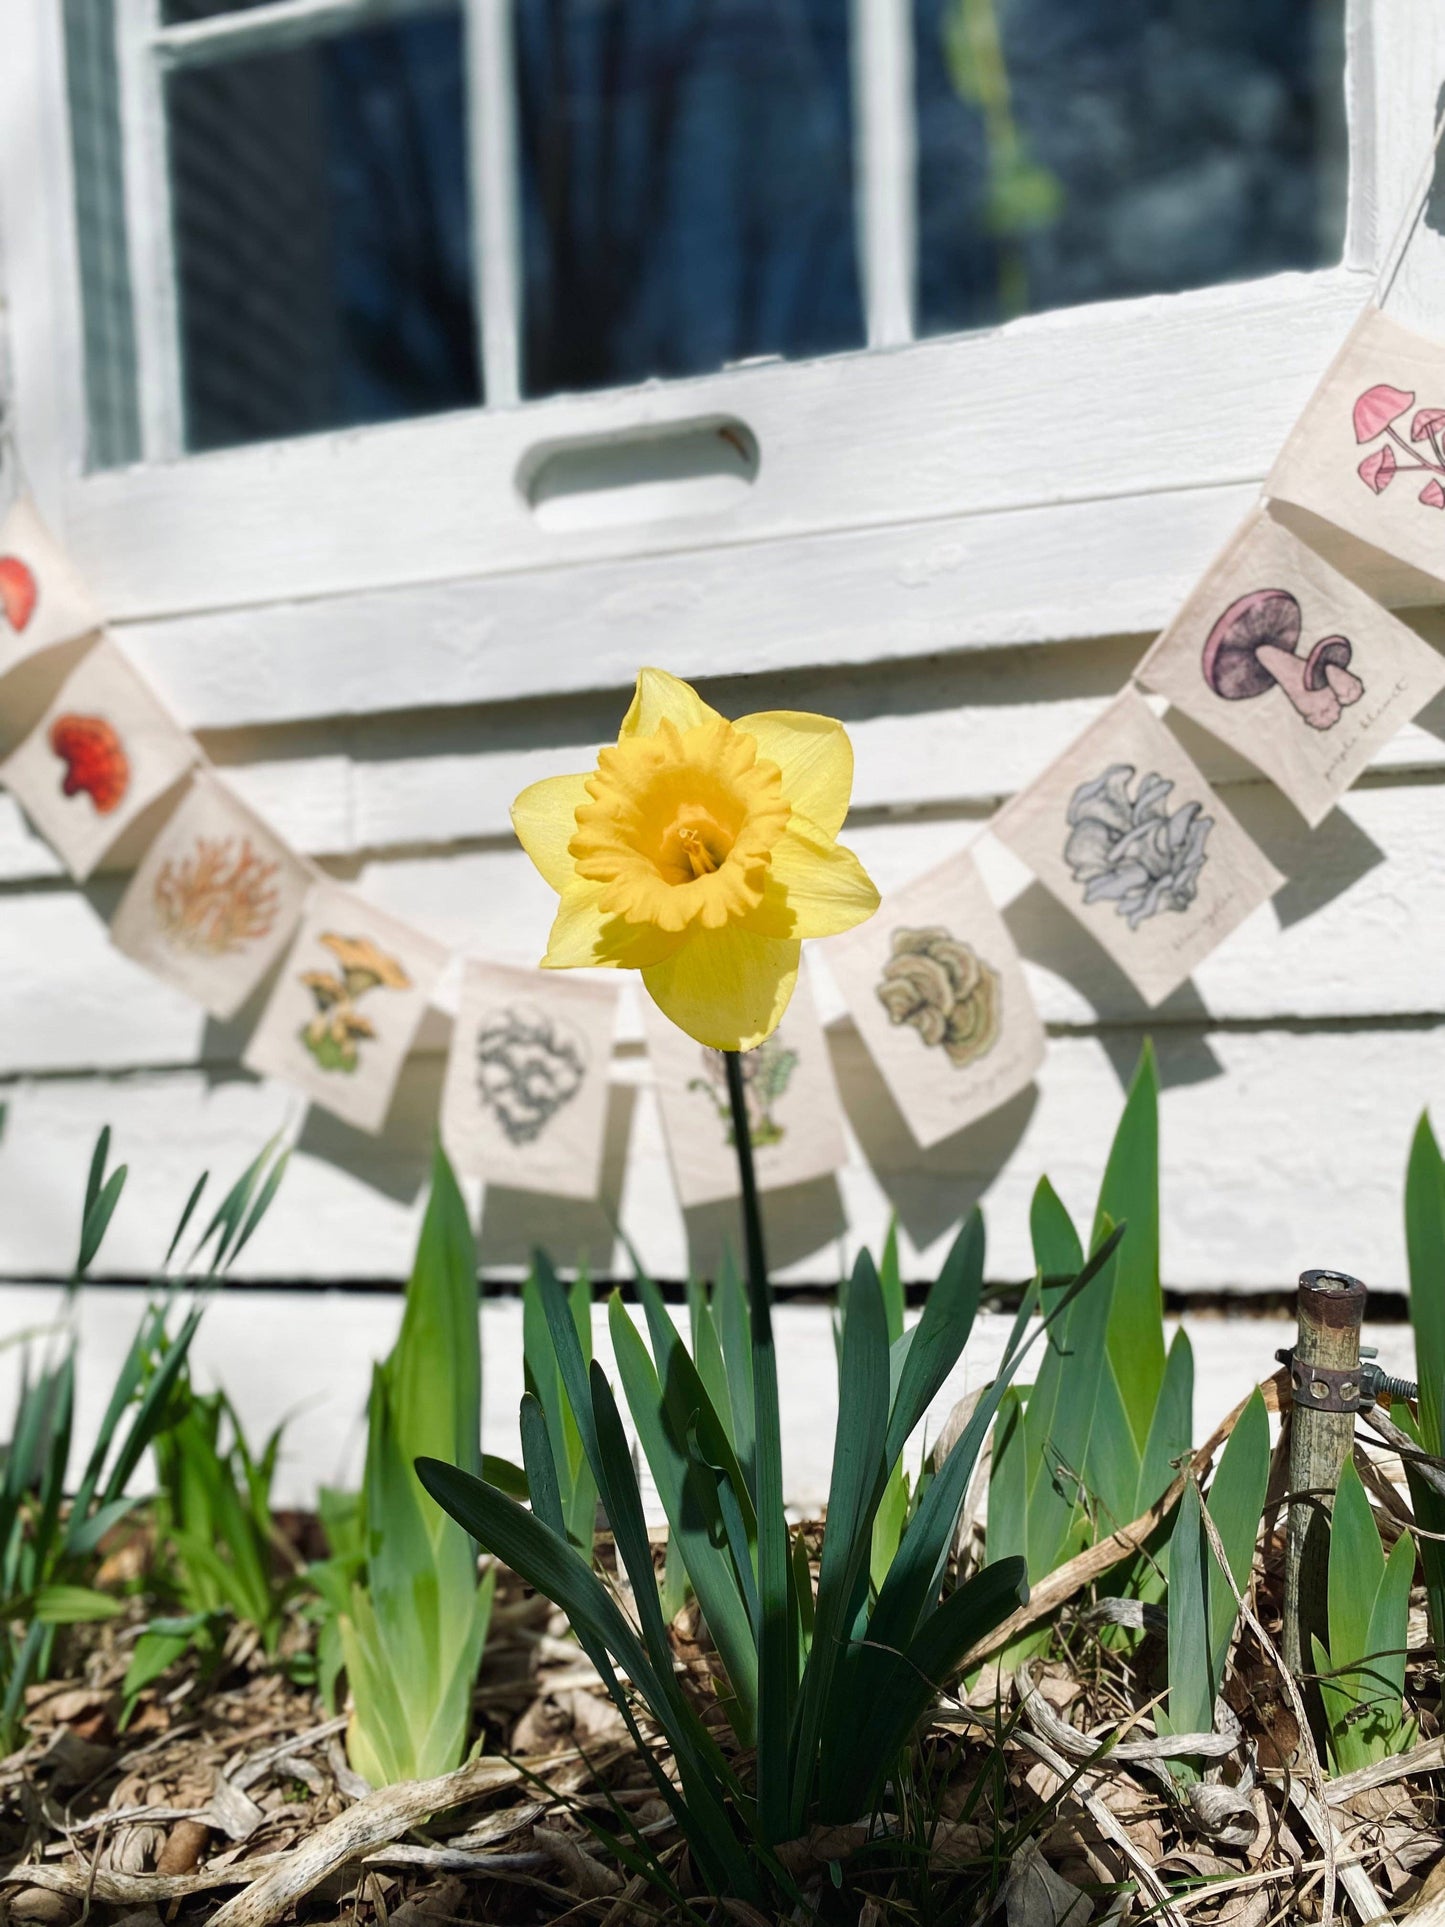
<point>556,1570</point>
<point>1191,1681</point>
<point>688,1491</point>
<point>859,1473</point>
<point>909,1682</point>
<point>1130,1194</point>
<point>1236,1505</point>
<point>1425,1246</point>
<point>938,1339</point>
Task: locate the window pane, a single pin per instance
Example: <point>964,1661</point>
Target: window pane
<point>1073,150</point>
<point>323,242</point>
<point>687,186</point>
<point>175,13</point>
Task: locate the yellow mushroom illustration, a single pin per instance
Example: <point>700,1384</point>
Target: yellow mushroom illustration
<point>334,1032</point>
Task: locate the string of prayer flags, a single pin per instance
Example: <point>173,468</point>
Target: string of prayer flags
<point>214,900</point>
<point>1368,453</point>
<point>792,1101</point>
<point>1283,658</point>
<point>525,1099</point>
<point>347,1006</point>
<point>1129,837</point>
<point>42,600</point>
<point>103,752</point>
<point>935,987</point>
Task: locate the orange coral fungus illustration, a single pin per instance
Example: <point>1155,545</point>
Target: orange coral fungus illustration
<point>338,1026</point>
<point>217,898</point>
<point>96,764</point>
<point>19,592</point>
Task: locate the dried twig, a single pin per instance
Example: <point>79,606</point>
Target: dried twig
<point>376,1821</point>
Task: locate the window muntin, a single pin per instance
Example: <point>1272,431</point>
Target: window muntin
<point>614,190</point>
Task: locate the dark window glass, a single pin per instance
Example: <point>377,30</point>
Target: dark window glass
<point>687,186</point>
<point>323,242</point>
<point>175,13</point>
<point>1074,150</point>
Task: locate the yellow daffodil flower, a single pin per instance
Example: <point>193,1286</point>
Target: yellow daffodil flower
<point>700,852</point>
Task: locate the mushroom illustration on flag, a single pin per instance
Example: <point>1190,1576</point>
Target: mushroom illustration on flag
<point>941,986</point>
<point>1252,649</point>
<point>1134,851</point>
<point>96,764</point>
<point>528,1067</point>
<point>19,592</point>
<point>1375,415</point>
<point>338,1027</point>
<point>767,1073</point>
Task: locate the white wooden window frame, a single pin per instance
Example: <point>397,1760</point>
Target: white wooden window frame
<point>1064,476</point>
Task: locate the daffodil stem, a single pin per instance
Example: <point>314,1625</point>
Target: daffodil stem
<point>776,1657</point>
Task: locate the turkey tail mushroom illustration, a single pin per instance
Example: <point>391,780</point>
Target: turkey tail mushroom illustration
<point>1252,649</point>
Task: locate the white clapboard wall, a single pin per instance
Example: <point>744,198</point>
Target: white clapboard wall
<point>382,642</point>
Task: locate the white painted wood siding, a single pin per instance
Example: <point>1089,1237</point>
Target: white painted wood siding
<point>377,638</point>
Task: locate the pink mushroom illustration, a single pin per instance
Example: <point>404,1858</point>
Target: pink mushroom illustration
<point>1375,414</point>
<point>1251,649</point>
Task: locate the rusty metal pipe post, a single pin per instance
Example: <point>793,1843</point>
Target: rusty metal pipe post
<point>1325,1382</point>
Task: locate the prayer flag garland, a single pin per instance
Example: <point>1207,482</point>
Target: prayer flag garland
<point>1277,652</point>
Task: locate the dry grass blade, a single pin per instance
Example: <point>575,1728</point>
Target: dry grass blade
<point>1053,1592</point>
<point>373,1822</point>
<point>1427,1757</point>
<point>1109,1826</point>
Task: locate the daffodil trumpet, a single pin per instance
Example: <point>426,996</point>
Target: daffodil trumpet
<point>700,853</point>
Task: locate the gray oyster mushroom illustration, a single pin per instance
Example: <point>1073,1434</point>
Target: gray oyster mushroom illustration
<point>1133,851</point>
<point>528,1067</point>
<point>943,988</point>
<point>1252,649</point>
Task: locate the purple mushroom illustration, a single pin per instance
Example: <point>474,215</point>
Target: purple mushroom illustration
<point>1251,649</point>
<point>1376,413</point>
<point>1133,851</point>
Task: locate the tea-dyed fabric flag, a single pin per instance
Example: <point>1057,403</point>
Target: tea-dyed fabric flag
<point>214,901</point>
<point>1368,453</point>
<point>103,752</point>
<point>794,1114</point>
<point>937,991</point>
<point>42,600</point>
<point>1286,660</point>
<point>525,1101</point>
<point>1127,834</point>
<point>347,1006</point>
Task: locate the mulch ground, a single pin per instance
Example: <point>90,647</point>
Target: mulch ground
<point>229,1798</point>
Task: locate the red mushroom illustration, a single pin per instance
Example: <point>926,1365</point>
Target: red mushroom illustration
<point>1251,649</point>
<point>19,592</point>
<point>1375,414</point>
<point>96,764</point>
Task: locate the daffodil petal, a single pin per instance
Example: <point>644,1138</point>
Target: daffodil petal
<point>815,887</point>
<point>582,934</point>
<point>727,988</point>
<point>660,697</point>
<point>545,819</point>
<point>816,759</point>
